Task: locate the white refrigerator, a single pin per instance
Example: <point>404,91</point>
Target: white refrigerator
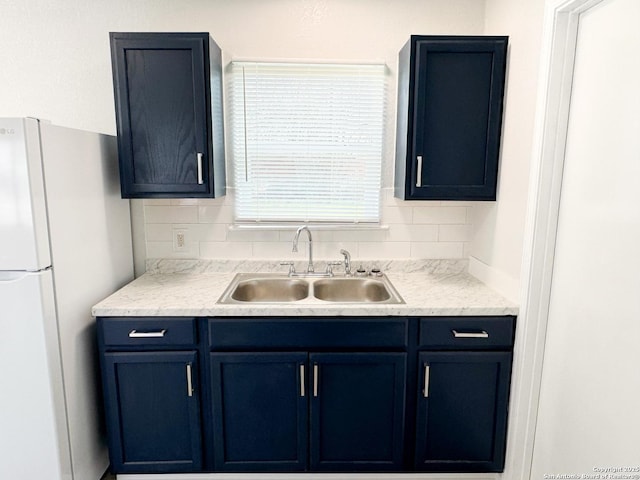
<point>65,243</point>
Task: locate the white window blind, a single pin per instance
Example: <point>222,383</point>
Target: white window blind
<point>307,142</point>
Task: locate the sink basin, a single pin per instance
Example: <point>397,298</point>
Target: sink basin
<point>351,290</point>
<point>265,288</point>
<point>270,290</point>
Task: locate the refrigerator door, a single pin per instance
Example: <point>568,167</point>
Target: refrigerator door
<point>34,440</point>
<point>90,238</point>
<point>24,237</point>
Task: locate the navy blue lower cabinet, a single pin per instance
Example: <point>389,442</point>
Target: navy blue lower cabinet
<point>357,411</point>
<point>297,411</point>
<point>306,394</point>
<point>462,411</point>
<point>260,411</point>
<point>153,411</point>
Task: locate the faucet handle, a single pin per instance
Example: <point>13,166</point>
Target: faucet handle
<point>291,265</point>
<point>330,266</point>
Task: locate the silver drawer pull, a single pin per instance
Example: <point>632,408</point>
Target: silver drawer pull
<point>189,381</point>
<point>419,171</point>
<point>481,334</point>
<point>136,334</point>
<point>302,387</point>
<point>425,392</point>
<point>199,158</point>
<point>315,379</point>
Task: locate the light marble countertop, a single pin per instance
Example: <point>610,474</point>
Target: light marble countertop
<point>192,288</point>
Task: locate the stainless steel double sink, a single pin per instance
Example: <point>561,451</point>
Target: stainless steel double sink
<point>279,288</point>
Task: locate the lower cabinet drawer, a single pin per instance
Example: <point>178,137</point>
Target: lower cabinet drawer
<point>147,331</point>
<point>466,333</point>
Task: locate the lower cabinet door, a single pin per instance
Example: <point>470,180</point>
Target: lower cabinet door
<point>357,411</point>
<point>462,411</point>
<point>260,411</point>
<point>153,411</point>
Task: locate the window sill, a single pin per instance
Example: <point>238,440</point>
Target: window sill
<point>314,226</point>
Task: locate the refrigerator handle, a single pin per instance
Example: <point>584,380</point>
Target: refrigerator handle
<point>10,277</point>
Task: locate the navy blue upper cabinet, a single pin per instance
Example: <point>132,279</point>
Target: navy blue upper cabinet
<point>450,96</point>
<point>168,97</point>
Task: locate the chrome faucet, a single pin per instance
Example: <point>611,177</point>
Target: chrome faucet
<point>295,245</point>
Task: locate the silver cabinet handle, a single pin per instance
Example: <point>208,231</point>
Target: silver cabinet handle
<point>426,381</point>
<point>419,171</point>
<point>315,379</point>
<point>302,387</point>
<point>200,181</point>
<point>481,334</point>
<point>189,381</point>
<point>137,334</point>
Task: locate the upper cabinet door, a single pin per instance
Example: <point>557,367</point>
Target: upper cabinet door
<point>450,117</point>
<point>163,93</point>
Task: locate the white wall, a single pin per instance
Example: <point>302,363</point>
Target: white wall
<point>56,62</point>
<point>498,227</point>
<point>56,65</point>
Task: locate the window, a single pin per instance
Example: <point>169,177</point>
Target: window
<point>307,142</point>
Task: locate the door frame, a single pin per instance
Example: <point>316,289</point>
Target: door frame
<point>559,42</point>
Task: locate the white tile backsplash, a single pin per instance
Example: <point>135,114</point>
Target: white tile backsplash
<point>379,250</point>
<point>170,214</point>
<point>184,201</point>
<point>403,232</point>
<point>166,250</point>
<point>329,250</point>
<point>440,215</point>
<point>158,232</point>
<point>455,233</point>
<point>235,250</point>
<point>318,235</point>
<point>209,232</point>
<point>235,235</point>
<point>437,249</point>
<point>396,214</point>
<point>410,229</point>
<point>215,214</point>
<point>370,235</point>
<point>278,251</point>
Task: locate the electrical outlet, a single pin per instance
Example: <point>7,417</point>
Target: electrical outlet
<point>179,240</point>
